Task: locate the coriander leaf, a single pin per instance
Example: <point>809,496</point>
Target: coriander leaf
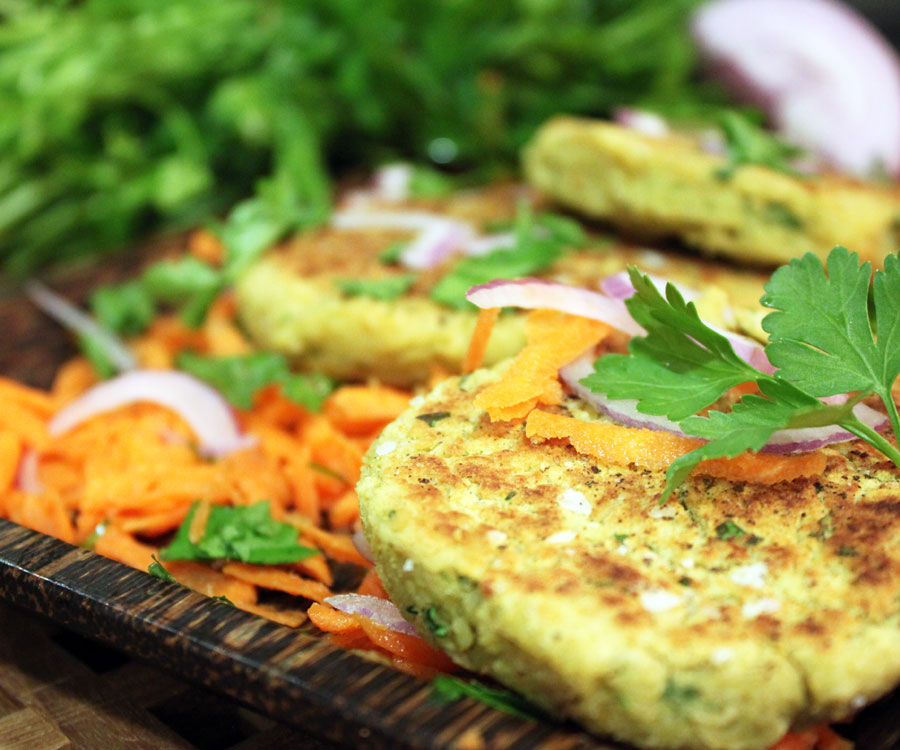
<point>308,389</point>
<point>821,333</point>
<point>749,143</point>
<point>387,289</point>
<point>247,533</point>
<point>562,228</point>
<point>425,182</point>
<point>445,688</point>
<point>156,569</point>
<point>729,530</point>
<point>177,281</point>
<point>432,417</point>
<point>391,254</point>
<point>125,308</point>
<point>238,378</point>
<point>96,354</point>
<point>680,367</point>
<point>535,250</point>
<point>750,424</point>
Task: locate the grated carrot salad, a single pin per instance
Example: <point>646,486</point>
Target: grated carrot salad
<point>125,479</point>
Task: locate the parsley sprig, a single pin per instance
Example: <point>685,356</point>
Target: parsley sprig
<point>830,333</point>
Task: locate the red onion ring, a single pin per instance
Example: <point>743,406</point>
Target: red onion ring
<point>489,242</point>
<point>551,295</point>
<point>202,407</point>
<point>437,236</point>
<point>362,545</point>
<point>624,411</point>
<point>641,121</point>
<point>82,324</point>
<point>619,286</point>
<point>27,479</point>
<point>380,610</point>
<point>816,67</point>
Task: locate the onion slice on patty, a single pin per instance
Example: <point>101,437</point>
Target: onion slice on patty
<point>436,239</point>
<point>200,406</point>
<point>625,412</point>
<point>825,76</point>
<point>382,611</point>
<point>533,294</point>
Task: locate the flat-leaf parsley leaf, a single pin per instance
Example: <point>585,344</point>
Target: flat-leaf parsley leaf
<point>822,339</point>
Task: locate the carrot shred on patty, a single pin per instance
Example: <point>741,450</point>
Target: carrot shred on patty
<point>480,337</point>
<point>554,340</point>
<point>654,449</point>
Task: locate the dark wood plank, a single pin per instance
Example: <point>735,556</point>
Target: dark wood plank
<point>295,676</point>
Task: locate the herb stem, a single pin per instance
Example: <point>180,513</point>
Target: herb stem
<point>873,438</point>
<point>888,400</point>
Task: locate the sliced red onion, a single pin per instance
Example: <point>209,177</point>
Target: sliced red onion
<point>550,295</point>
<point>437,236</point>
<point>619,286</point>
<point>392,181</point>
<point>202,407</point>
<point>82,324</point>
<point>489,242</point>
<point>362,545</point>
<point>812,438</point>
<point>817,68</point>
<point>27,479</point>
<point>641,121</point>
<point>624,411</point>
<point>380,610</point>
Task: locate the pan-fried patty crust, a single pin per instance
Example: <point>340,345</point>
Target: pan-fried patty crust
<point>718,620</point>
<point>663,187</point>
<point>290,301</point>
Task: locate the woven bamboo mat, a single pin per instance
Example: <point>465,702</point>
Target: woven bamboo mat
<point>59,691</point>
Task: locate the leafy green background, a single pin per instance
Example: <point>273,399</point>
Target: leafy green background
<point>122,116</point>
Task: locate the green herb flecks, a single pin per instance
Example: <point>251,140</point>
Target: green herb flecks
<point>434,624</point>
<point>748,143</point>
<point>432,417</point>
<point>824,340</point>
<point>729,530</point>
<point>391,254</point>
<point>386,289</point>
<point>447,689</point>
<point>238,378</point>
<point>126,309</point>
<point>779,213</point>
<point>247,533</point>
<point>539,242</point>
<point>156,569</point>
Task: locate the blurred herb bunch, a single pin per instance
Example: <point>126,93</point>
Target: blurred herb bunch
<point>119,117</point>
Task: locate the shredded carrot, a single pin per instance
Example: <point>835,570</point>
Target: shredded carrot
<point>331,620</point>
<point>26,424</point>
<point>72,379</point>
<point>269,577</point>
<point>554,340</point>
<point>653,449</point>
<point>820,737</point>
<point>371,586</point>
<point>344,511</point>
<point>197,529</point>
<point>206,246</point>
<point>10,455</point>
<point>360,409</point>
<point>480,337</point>
<point>339,547</point>
<point>122,546</point>
<point>30,398</point>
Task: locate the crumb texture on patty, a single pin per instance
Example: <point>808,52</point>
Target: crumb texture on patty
<point>718,620</point>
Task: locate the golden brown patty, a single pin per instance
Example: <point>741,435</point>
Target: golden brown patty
<point>659,187</point>
<point>719,620</point>
<point>290,301</point>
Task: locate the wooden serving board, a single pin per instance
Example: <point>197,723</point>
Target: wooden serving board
<point>295,676</point>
